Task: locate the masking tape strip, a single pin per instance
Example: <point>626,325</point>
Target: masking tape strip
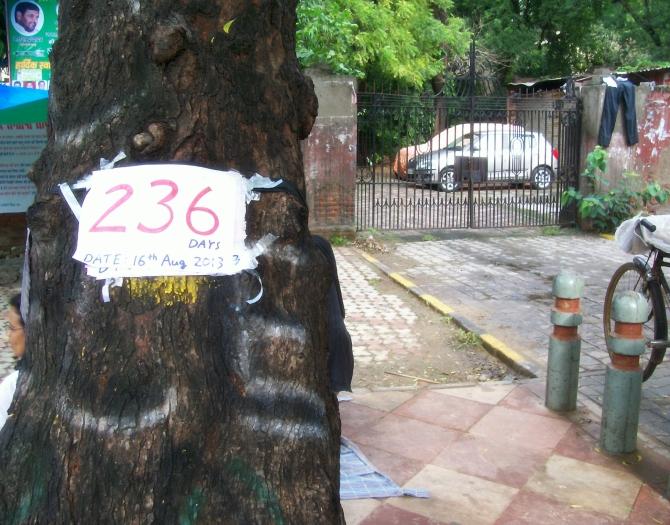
<point>109,164</point>
<point>263,244</point>
<point>110,283</point>
<point>84,183</point>
<point>260,294</point>
<point>25,279</point>
<point>260,247</point>
<point>71,200</point>
<point>258,181</point>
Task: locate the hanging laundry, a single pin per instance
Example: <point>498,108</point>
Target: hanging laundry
<point>617,91</point>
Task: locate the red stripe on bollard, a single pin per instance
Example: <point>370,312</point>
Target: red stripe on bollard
<point>625,362</point>
<point>566,333</point>
<point>567,305</point>
<point>628,330</point>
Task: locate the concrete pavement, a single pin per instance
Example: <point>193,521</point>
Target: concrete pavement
<point>497,283</point>
<point>491,452</point>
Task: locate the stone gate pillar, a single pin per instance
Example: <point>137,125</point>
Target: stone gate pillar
<point>329,156</point>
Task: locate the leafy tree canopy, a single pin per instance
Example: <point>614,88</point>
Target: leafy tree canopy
<point>558,37</point>
<point>402,42</point>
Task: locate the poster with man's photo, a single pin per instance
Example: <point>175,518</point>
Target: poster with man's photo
<point>32,29</point>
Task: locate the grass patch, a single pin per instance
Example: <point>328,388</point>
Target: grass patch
<point>428,237</point>
<point>466,338</point>
<point>551,230</point>
<point>338,240</point>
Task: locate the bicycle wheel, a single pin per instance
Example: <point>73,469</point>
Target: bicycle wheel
<point>630,277</point>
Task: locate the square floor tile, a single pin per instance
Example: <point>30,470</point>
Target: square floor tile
<point>407,437</point>
<point>577,444</point>
<point>390,515</point>
<point>650,466</point>
<point>355,417</point>
<point>529,508</point>
<point>591,487</point>
<point>537,386</point>
<point>521,398</point>
<point>492,460</point>
<point>490,393</point>
<point>387,400</point>
<point>456,497</point>
<point>446,411</point>
<point>356,510</point>
<point>650,507</point>
<point>521,428</point>
<point>399,468</point>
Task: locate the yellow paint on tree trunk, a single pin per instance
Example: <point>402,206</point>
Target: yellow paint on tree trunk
<point>166,290</point>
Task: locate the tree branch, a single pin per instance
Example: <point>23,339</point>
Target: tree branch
<point>643,21</point>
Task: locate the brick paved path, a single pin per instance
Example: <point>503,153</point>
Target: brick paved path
<point>501,281</point>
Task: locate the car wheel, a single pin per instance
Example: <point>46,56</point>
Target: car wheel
<point>542,177</point>
<point>447,180</point>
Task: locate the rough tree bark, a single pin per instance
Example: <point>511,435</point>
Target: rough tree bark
<point>176,402</point>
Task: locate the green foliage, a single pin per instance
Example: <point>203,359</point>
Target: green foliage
<point>607,209</point>
<point>326,35</point>
<point>393,40</point>
<point>338,240</point>
<point>545,38</point>
<point>467,338</point>
<point>551,231</point>
<point>384,128</point>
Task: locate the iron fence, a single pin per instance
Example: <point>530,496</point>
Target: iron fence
<point>497,161</point>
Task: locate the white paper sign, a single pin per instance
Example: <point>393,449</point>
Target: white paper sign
<point>164,219</point>
<point>20,145</point>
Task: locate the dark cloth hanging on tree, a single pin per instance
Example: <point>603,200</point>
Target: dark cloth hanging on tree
<point>340,354</point>
<point>624,92</point>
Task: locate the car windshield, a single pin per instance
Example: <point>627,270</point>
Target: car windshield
<point>463,143</point>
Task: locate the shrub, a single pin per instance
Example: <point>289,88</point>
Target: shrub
<point>605,210</point>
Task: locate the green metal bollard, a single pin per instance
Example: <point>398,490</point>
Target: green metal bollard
<point>623,381</point>
<point>564,343</point>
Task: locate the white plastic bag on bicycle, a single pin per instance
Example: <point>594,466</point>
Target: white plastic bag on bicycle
<point>632,238</point>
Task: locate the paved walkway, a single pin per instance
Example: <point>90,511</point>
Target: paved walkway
<point>498,284</point>
<point>491,452</point>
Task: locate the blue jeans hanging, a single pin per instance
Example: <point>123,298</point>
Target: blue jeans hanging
<point>623,92</point>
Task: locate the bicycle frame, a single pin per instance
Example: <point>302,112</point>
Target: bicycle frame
<point>655,270</point>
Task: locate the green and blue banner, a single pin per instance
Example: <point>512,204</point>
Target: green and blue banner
<point>23,135</point>
<point>32,29</point>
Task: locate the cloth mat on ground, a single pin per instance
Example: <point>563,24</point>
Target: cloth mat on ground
<point>360,479</point>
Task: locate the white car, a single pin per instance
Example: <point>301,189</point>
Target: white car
<point>490,153</point>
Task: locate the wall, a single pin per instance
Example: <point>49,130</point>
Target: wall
<point>329,156</point>
<point>650,157</point>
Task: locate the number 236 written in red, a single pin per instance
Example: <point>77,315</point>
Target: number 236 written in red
<point>105,221</point>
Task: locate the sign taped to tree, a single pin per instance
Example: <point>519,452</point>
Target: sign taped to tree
<point>166,219</point>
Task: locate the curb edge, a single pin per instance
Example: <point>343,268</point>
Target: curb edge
<point>492,345</point>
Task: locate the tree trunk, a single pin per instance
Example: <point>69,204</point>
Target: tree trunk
<point>176,402</point>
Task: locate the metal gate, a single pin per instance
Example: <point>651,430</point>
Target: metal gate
<point>497,161</point>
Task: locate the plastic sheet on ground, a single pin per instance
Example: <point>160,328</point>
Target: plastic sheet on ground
<point>360,479</point>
